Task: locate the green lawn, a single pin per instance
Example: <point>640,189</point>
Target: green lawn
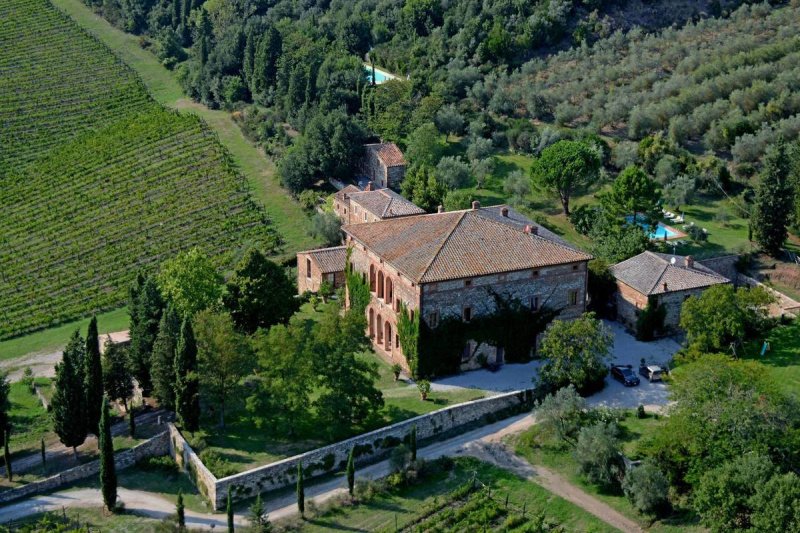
<point>543,450</point>
<point>53,339</point>
<point>93,519</point>
<point>403,506</point>
<point>29,421</point>
<point>288,217</point>
<point>783,358</point>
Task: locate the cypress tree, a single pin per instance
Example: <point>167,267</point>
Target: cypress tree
<point>7,454</point>
<point>68,404</point>
<point>229,511</point>
<point>5,390</point>
<point>301,494</point>
<point>149,306</point>
<point>132,422</point>
<point>351,472</point>
<point>187,399</point>
<point>108,474</point>
<point>774,201</point>
<point>180,511</point>
<point>93,377</point>
<point>162,370</point>
<point>44,457</point>
<point>413,443</point>
<point>117,378</point>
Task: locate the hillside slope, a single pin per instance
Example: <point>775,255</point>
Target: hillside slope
<point>98,180</point>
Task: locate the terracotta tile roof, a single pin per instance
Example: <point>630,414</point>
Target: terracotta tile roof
<point>384,203</point>
<point>388,153</point>
<point>329,260</point>
<point>458,244</point>
<point>344,193</point>
<point>518,220</point>
<point>649,271</point>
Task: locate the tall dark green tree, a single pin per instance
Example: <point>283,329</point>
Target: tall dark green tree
<point>412,443</point>
<point>7,454</point>
<point>633,194</point>
<point>259,294</point>
<point>117,377</point>
<point>301,491</point>
<point>351,471</point>
<point>108,473</point>
<point>5,404</point>
<point>180,511</point>
<point>265,62</point>
<point>149,305</point>
<point>93,377</point>
<point>774,201</point>
<point>69,399</point>
<point>162,370</point>
<point>187,387</point>
<point>229,512</point>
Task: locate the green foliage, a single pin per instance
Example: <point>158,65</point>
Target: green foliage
<point>453,172</point>
<point>259,294</point>
<point>564,169</point>
<point>190,282</point>
<point>774,201</point>
<point>357,288</point>
<point>458,200</point>
<point>615,241</point>
<point>425,146</point>
<point>162,365</point>
<point>108,473</point>
<point>634,194</point>
<point>224,358</point>
<point>597,453</point>
<point>180,510</point>
<point>388,109</point>
<point>601,287</point>
<point>93,377</point>
<point>722,315</point>
<point>412,443</point>
<point>229,512</point>
<point>5,404</point>
<point>351,472</point>
<point>7,455</point>
<point>422,188</point>
<point>301,493</point>
<point>69,398</point>
<point>646,488</point>
<point>724,409</point>
<point>722,497</point>
<point>258,516</point>
<point>562,413</point>
<point>512,326</point>
<point>424,388</point>
<point>117,377</point>
<point>408,333</point>
<point>327,227</point>
<point>449,121</point>
<point>145,306</point>
<point>650,321</point>
<point>187,388</point>
<point>577,353</point>
<point>776,504</point>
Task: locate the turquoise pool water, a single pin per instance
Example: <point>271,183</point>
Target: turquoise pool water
<point>661,231</point>
<point>380,75</point>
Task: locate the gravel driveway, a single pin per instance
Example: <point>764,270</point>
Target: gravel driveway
<point>627,350</point>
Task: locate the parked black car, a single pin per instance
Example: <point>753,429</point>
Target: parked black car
<point>625,375</point>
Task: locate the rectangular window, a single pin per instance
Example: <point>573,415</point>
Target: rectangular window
<point>467,314</point>
<point>573,297</point>
<point>397,341</point>
<point>468,283</point>
<point>574,267</point>
<point>308,267</point>
<point>535,273</point>
<point>365,217</point>
<point>433,319</point>
<point>534,303</point>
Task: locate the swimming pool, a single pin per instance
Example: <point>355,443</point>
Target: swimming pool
<point>381,76</point>
<point>661,232</point>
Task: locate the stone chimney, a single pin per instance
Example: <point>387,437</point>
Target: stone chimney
<point>504,212</point>
<point>370,186</point>
<point>531,230</point>
<point>689,261</point>
<point>665,286</point>
<point>440,209</point>
<point>476,204</point>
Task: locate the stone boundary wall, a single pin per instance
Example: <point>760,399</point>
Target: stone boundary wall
<point>155,446</point>
<point>188,460</point>
<point>369,447</point>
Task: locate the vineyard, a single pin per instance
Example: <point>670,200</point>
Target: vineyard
<point>729,84</point>
<point>98,181</point>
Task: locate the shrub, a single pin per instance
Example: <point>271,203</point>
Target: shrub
<point>399,458</point>
<point>597,453</point>
<point>646,487</point>
<point>562,413</point>
<point>640,412</point>
<point>424,387</point>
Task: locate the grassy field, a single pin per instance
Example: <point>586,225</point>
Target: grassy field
<point>403,506</point>
<point>288,217</point>
<point>29,421</point>
<point>92,518</point>
<point>53,339</point>
<point>783,358</point>
<point>543,450</point>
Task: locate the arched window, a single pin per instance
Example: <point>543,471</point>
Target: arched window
<point>380,330</point>
<point>371,324</point>
<point>388,336</point>
<point>380,284</point>
<point>389,290</point>
<point>372,278</point>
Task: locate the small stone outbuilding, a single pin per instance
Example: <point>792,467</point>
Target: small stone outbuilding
<point>666,279</point>
<point>316,266</point>
<point>384,164</point>
<point>354,206</point>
